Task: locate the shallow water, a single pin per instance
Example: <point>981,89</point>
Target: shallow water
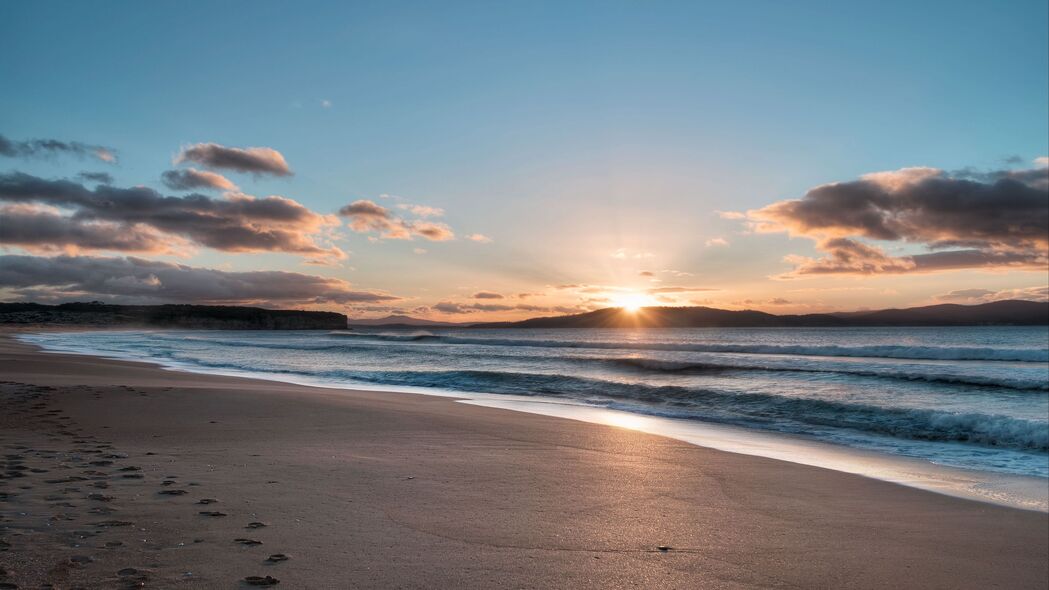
<point>972,398</point>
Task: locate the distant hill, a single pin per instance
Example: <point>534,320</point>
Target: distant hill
<point>402,321</point>
<point>1011,313</point>
<point>200,317</point>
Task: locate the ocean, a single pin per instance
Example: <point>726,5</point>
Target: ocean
<point>974,398</point>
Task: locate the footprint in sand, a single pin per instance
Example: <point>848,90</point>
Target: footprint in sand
<point>261,581</point>
<point>248,542</point>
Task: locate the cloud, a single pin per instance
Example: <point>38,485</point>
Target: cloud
<point>191,178</point>
<point>451,307</point>
<point>487,295</point>
<point>33,148</point>
<point>773,301</point>
<point>627,254</point>
<point>437,232</point>
<point>481,238</point>
<point>646,273</point>
<point>995,219</point>
<point>239,223</point>
<point>419,250</point>
<point>716,242</point>
<point>422,210</point>
<point>43,229</point>
<point>64,278</point>
<point>325,103</point>
<point>664,290</point>
<point>368,216</point>
<point>256,160</point>
<point>1039,293</point>
<point>99,177</point>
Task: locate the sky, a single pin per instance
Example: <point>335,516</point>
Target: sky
<point>473,161</point>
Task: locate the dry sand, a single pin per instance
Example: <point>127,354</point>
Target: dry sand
<point>364,489</point>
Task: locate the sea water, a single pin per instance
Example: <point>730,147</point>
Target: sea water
<point>975,398</point>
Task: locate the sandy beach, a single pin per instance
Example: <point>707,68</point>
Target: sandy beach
<point>120,474</point>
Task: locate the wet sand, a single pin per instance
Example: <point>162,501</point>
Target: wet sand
<point>118,474</point>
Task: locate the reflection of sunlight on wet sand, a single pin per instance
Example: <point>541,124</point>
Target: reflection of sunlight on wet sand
<point>623,420</point>
<point>1022,492</point>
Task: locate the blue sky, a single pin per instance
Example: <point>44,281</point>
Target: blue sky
<point>565,131</point>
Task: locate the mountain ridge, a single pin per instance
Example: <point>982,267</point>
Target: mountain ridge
<point>1008,312</point>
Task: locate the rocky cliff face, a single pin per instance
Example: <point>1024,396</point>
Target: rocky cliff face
<point>196,317</point>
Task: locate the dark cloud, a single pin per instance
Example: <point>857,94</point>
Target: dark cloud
<point>99,177</point>
<point>999,219</point>
<point>449,307</point>
<point>44,229</point>
<point>135,279</point>
<point>257,160</point>
<point>239,223</point>
<point>487,295</point>
<point>33,148</point>
<point>191,178</point>
<point>845,256</point>
<point>367,216</point>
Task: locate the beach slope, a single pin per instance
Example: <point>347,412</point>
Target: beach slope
<point>117,474</point>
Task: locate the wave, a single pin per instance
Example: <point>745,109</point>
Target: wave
<point>798,415</point>
<point>793,414</point>
<point>954,353</point>
<point>686,367</point>
<point>366,343</point>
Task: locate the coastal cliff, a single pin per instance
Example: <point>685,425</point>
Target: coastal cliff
<point>197,317</point>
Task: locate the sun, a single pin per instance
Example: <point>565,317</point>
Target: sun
<point>631,302</point>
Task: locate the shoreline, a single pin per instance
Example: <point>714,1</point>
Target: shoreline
<point>364,489</point>
<point>1009,490</point>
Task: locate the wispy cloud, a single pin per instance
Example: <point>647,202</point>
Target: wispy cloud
<point>34,148</point>
<point>1038,293</point>
<point>191,178</point>
<point>451,307</point>
<point>368,216</point>
<point>665,290</point>
<point>421,210</point>
<point>99,177</point>
<point>628,254</point>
